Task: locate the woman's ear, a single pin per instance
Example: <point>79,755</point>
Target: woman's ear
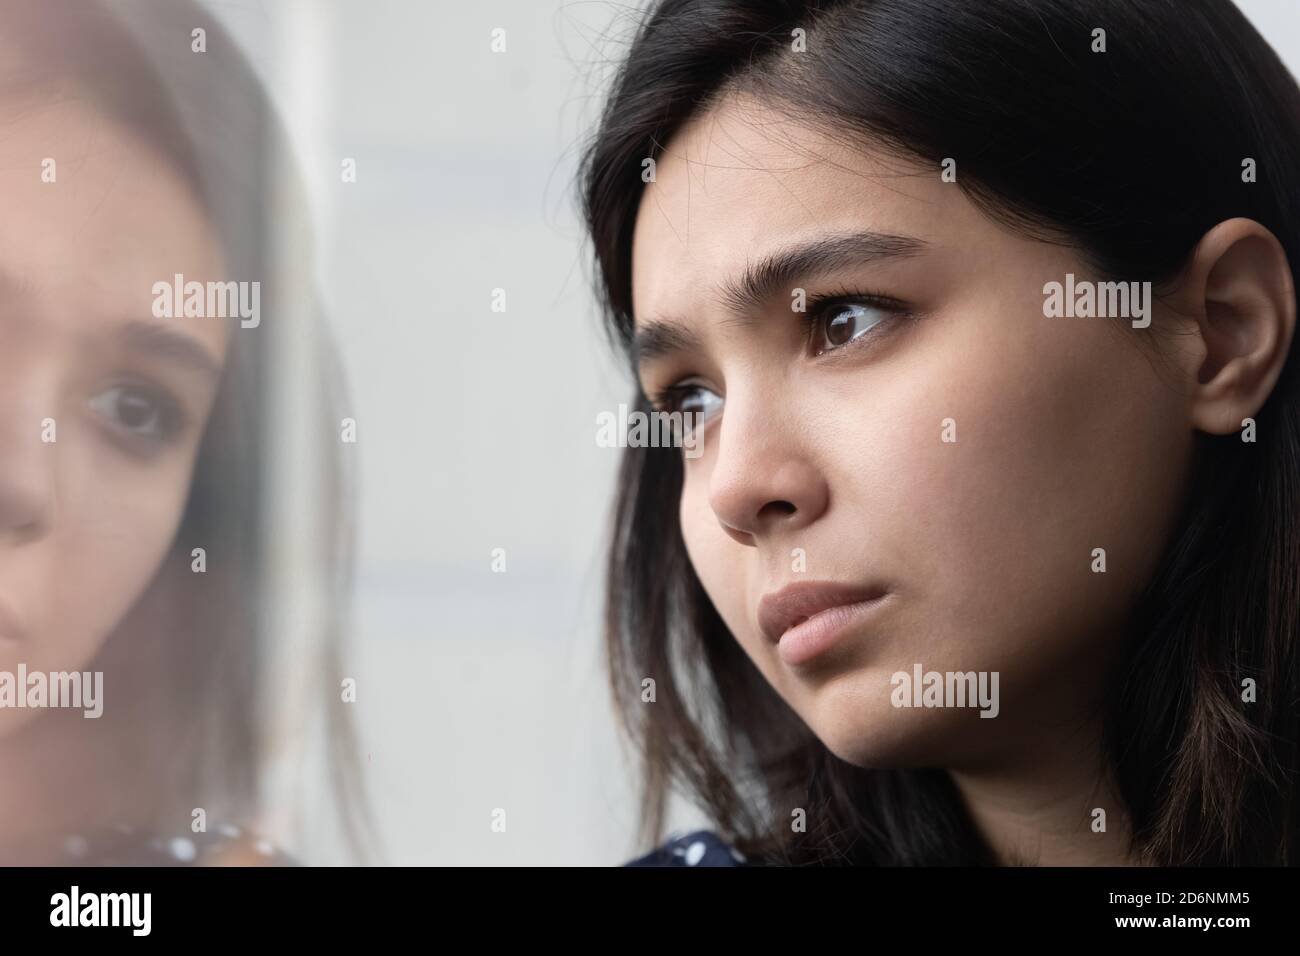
<point>1239,290</point>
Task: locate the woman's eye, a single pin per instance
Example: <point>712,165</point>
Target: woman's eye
<point>842,322</point>
<point>135,410</point>
<point>692,399</point>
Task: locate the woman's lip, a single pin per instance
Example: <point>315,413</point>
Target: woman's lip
<point>796,605</point>
<point>819,633</point>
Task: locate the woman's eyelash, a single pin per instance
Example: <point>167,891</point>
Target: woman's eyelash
<point>161,410</point>
<point>817,306</point>
<point>669,398</point>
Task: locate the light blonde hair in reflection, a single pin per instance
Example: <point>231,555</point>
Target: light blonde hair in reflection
<point>196,686</point>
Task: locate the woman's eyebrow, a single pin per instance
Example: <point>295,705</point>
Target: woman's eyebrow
<point>145,338</point>
<point>662,337</point>
<point>773,274</point>
<point>779,272</point>
<point>160,342</point>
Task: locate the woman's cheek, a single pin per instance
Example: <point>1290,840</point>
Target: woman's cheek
<point>113,548</point>
<point>713,554</point>
<point>1024,474</point>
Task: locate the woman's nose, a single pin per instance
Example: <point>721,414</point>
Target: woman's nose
<point>28,440</point>
<point>764,482</point>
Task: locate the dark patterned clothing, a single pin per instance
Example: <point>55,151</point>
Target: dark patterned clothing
<point>700,848</point>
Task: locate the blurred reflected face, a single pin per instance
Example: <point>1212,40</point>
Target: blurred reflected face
<point>86,518</point>
<point>916,469</point>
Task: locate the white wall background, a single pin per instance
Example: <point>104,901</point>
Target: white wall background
<point>477,690</point>
<point>476,429</point>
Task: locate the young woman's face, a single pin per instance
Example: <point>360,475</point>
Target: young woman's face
<point>931,443</point>
<point>85,519</point>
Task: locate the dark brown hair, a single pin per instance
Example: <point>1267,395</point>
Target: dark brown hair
<point>1129,157</point>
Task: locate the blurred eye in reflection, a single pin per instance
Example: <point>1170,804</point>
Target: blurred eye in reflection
<point>143,416</point>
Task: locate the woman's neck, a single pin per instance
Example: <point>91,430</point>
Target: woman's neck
<point>1056,804</point>
<point>50,786</point>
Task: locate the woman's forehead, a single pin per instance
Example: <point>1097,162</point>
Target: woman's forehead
<point>742,182</point>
